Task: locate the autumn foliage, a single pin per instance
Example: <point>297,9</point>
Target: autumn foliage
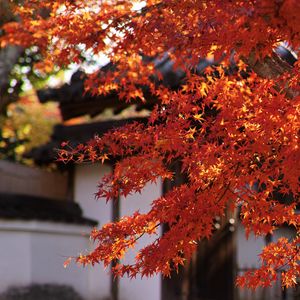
<point>233,127</point>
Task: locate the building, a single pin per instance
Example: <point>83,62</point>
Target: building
<point>212,272</point>
<point>49,238</point>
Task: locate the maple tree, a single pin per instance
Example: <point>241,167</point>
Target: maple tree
<point>234,127</point>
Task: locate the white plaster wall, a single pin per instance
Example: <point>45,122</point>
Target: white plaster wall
<point>34,252</point>
<point>247,257</point>
<point>49,251</point>
<point>248,249</point>
<point>146,288</point>
<point>15,262</point>
<point>87,177</point>
<point>285,231</point>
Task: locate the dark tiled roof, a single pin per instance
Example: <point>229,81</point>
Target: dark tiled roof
<point>75,134</point>
<point>24,207</point>
<point>73,102</point>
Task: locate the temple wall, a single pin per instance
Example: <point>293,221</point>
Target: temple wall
<point>146,288</point>
<point>19,179</point>
<point>33,252</point>
<point>87,176</point>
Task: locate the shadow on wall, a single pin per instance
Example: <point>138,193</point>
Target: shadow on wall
<point>41,291</point>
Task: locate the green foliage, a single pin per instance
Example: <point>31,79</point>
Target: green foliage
<point>27,124</point>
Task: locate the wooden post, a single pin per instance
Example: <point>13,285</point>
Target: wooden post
<point>115,281</point>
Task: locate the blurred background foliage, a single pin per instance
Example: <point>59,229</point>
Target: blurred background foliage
<point>24,122</point>
<point>27,124</point>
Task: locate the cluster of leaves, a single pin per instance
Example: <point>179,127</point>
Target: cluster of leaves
<point>27,124</point>
<point>230,130</point>
<point>274,261</point>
